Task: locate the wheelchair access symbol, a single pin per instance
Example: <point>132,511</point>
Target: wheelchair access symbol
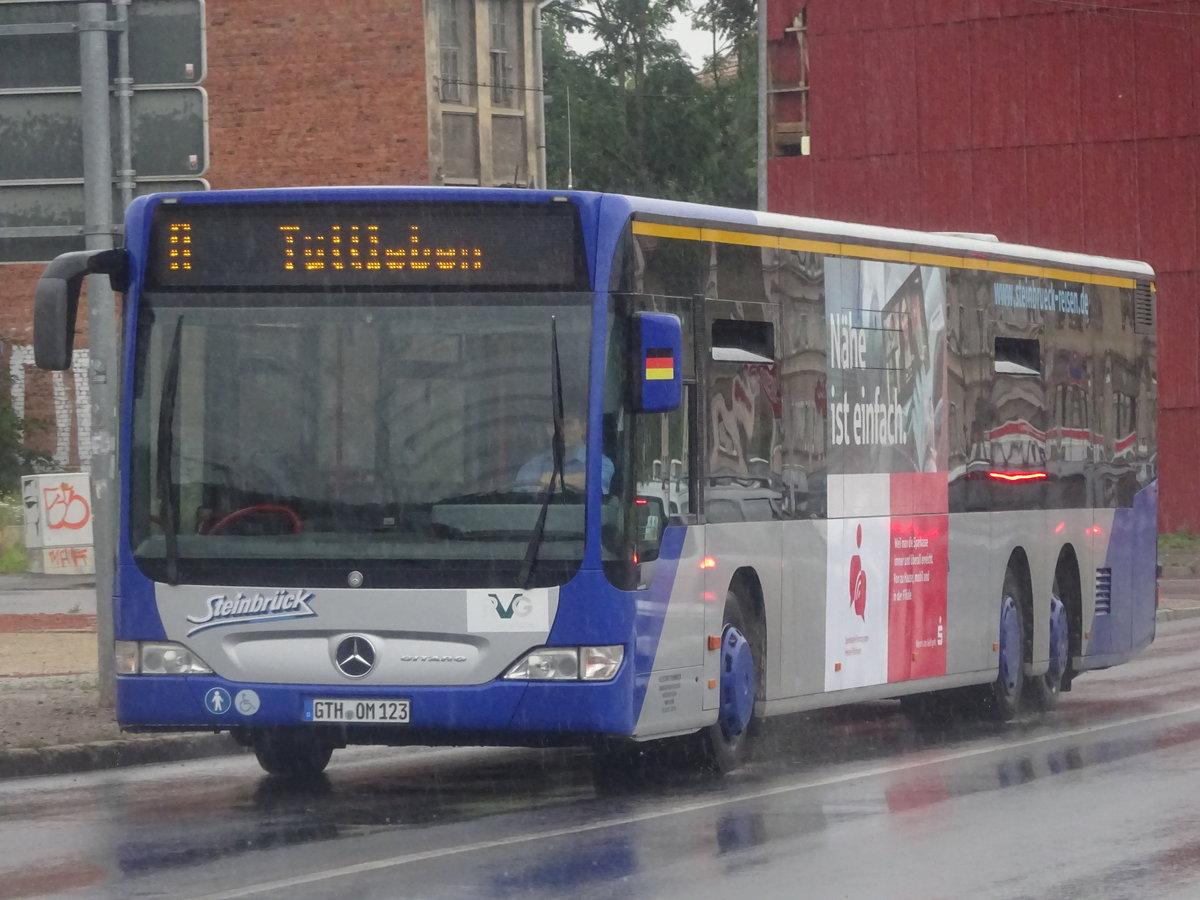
<point>217,701</point>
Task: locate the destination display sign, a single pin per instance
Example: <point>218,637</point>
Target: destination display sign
<point>367,245</point>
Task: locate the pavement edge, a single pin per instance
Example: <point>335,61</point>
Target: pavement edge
<point>65,759</point>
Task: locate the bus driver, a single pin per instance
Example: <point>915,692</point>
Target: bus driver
<point>535,475</point>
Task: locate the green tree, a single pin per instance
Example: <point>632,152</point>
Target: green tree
<point>640,120</point>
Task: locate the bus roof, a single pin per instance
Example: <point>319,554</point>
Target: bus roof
<point>951,244</point>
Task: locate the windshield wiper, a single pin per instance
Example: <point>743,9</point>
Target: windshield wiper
<point>558,452</point>
<point>168,515</point>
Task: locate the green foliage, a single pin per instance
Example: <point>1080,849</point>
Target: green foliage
<point>632,117</point>
<point>12,557</point>
<point>1179,540</point>
<point>16,459</point>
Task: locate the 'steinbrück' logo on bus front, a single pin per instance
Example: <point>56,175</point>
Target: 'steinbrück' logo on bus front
<point>258,607</point>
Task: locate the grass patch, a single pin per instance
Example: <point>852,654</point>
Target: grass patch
<point>12,558</point>
<point>1179,540</point>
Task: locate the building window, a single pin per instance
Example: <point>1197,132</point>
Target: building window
<point>502,16</point>
<point>452,28</point>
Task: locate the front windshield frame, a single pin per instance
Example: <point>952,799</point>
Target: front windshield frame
<point>272,558</point>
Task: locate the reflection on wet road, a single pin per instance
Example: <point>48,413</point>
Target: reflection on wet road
<point>1093,801</point>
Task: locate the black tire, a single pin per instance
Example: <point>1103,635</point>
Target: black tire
<point>1044,690</point>
<point>725,744</point>
<point>291,755</point>
<point>1002,698</point>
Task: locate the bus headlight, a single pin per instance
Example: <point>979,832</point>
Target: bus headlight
<point>568,664</point>
<point>157,658</point>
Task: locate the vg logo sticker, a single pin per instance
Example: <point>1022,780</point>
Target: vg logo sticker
<point>507,609</point>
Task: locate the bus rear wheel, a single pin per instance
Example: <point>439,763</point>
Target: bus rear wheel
<point>726,742</point>
<point>1002,698</point>
<point>1044,690</point>
<point>291,754</point>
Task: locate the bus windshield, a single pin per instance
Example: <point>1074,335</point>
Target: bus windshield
<point>391,434</point>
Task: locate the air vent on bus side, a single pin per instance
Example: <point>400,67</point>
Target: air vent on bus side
<point>1103,591</point>
<point>1143,308</point>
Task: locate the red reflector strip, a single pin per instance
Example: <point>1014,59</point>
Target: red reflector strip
<point>1017,476</point>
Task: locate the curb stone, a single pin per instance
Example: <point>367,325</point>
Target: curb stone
<point>26,762</point>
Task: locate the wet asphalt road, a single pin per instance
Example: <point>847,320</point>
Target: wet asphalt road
<point>1096,801</point>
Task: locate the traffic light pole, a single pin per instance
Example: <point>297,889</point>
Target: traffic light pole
<point>102,329</point>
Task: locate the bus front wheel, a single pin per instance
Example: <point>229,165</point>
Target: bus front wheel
<point>291,754</point>
<point>726,742</point>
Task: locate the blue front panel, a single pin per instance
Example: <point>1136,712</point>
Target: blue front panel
<point>538,707</point>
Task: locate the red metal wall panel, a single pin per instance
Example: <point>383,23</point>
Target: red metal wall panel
<point>889,15</point>
<point>790,187</point>
<point>1000,193</point>
<point>840,190</point>
<point>1166,172</point>
<point>1052,78</point>
<point>1106,76</point>
<point>998,84</point>
<point>946,192</point>
<point>1163,65</point>
<point>943,87</point>
<point>1178,361</point>
<point>835,102</point>
<point>1179,499</point>
<point>1110,200</point>
<point>939,12</point>
<point>898,199</point>
<point>889,92</point>
<point>1055,209</point>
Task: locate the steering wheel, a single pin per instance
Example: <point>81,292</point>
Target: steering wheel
<point>256,510</point>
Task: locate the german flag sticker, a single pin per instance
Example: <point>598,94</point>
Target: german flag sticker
<point>660,364</point>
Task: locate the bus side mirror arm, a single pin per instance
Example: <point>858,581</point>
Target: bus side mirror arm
<point>56,301</point>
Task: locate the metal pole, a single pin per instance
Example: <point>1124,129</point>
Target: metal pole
<point>102,331</point>
<point>124,83</point>
<point>763,85</point>
<point>540,107</point>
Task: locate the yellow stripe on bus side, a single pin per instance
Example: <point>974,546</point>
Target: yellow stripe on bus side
<point>887,254</point>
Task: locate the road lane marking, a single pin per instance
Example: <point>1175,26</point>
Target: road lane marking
<point>686,809</point>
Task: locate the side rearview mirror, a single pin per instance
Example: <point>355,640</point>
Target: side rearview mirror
<point>658,354</point>
<point>650,521</point>
<point>56,301</point>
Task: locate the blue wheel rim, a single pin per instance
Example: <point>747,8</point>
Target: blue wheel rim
<point>1010,644</point>
<point>1058,639</point>
<point>737,683</point>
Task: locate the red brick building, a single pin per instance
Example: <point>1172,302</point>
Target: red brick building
<point>1071,125</point>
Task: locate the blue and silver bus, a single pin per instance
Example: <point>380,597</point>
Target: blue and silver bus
<point>440,465</point>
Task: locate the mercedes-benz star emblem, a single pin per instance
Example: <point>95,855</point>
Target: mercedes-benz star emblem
<point>355,656</point>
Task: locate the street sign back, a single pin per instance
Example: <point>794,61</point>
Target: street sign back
<point>41,134</point>
<point>59,207</point>
<point>166,44</point>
